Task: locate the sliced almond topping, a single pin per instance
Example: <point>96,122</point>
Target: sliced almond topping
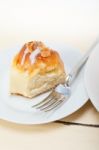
<point>45,53</point>
<point>30,46</point>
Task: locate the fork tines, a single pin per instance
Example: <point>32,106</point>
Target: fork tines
<point>50,102</point>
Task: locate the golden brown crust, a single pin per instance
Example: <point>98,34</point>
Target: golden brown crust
<point>45,61</point>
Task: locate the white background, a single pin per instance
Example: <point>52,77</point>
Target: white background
<point>75,22</point>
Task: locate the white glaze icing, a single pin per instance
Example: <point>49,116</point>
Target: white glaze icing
<point>23,58</point>
<point>34,54</point>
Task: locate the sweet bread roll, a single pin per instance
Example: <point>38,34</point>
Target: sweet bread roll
<point>35,69</point>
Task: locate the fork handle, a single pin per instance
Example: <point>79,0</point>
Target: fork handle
<point>75,71</point>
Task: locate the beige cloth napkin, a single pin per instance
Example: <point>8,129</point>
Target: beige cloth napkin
<point>86,115</point>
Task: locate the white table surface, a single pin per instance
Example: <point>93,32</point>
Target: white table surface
<point>75,23</point>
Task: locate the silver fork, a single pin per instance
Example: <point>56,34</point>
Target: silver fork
<point>62,92</point>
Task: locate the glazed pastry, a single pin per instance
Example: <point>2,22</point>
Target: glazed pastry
<point>35,69</point>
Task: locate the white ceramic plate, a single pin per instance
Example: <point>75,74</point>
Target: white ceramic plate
<point>92,77</point>
<point>18,109</point>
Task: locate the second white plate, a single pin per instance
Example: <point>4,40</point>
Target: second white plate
<point>92,77</point>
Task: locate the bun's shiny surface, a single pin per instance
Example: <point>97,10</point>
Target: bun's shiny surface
<point>35,69</point>
<point>36,56</point>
